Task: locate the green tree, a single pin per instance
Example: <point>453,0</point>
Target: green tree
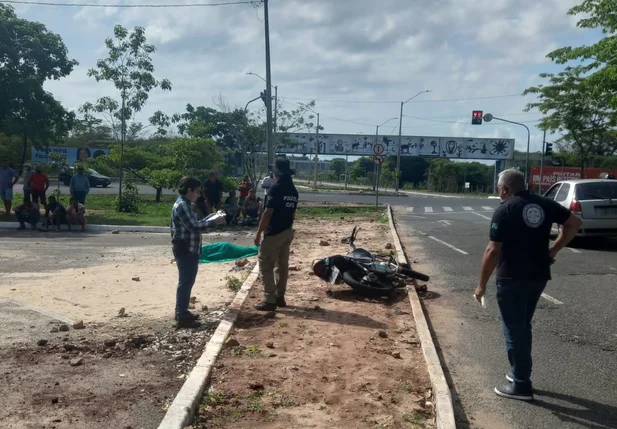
<point>337,166</point>
<point>578,109</point>
<point>129,67</point>
<point>30,55</point>
<point>162,165</point>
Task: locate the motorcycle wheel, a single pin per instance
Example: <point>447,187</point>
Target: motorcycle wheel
<point>354,280</point>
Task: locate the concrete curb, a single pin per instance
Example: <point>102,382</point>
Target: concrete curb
<point>444,410</point>
<point>182,410</point>
<point>121,228</point>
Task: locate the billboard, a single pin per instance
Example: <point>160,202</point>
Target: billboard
<point>425,146</point>
<point>72,154</point>
<point>552,175</point>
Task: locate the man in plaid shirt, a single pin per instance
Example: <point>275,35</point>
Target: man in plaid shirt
<point>186,240</point>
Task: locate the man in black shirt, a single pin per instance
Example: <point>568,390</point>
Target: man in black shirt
<point>519,249</point>
<point>55,213</point>
<point>211,197</point>
<point>276,224</point>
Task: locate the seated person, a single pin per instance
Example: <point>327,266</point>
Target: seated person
<point>55,214</point>
<point>251,208</point>
<point>231,208</point>
<point>28,212</point>
<point>76,212</point>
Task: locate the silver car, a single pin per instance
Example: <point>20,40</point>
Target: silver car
<point>594,201</point>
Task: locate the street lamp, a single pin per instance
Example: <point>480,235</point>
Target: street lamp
<point>488,118</point>
<point>316,161</point>
<point>377,168</point>
<point>400,132</point>
<point>276,98</point>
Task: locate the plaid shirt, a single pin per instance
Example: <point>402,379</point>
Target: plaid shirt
<point>186,227</point>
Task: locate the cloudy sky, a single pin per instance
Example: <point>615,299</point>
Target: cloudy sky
<point>358,59</point>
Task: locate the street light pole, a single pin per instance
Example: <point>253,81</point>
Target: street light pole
<point>378,167</point>
<point>491,117</point>
<point>268,87</point>
<point>400,133</point>
<point>246,107</point>
<point>316,152</point>
<point>276,100</point>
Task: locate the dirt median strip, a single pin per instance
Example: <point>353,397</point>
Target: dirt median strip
<point>444,410</point>
<point>330,359</point>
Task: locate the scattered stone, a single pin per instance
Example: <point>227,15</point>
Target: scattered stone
<point>54,330</point>
<point>272,355</point>
<point>317,308</point>
<point>41,343</point>
<point>382,334</point>
<point>77,361</point>
<point>291,252</point>
<point>116,231</point>
<point>69,347</point>
<point>270,344</point>
<point>256,385</point>
<point>242,262</point>
<point>79,325</point>
<point>180,357</point>
<point>54,400</point>
<point>270,315</point>
<point>136,279</point>
<point>204,307</point>
<point>110,343</point>
<point>66,357</point>
<point>193,300</point>
<point>107,355</point>
<point>122,312</point>
<point>396,355</point>
<point>389,246</point>
<point>232,342</point>
<point>324,243</point>
<point>428,404</point>
<point>294,268</point>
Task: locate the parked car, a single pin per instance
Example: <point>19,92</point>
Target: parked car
<point>95,178</point>
<point>594,201</point>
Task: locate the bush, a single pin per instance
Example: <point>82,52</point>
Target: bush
<point>230,183</point>
<point>129,200</point>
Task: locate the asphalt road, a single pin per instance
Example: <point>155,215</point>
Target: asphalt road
<point>575,327</point>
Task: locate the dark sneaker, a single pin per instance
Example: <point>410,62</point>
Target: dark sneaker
<point>512,392</point>
<point>265,306</point>
<point>187,322</point>
<point>190,316</point>
<point>280,302</point>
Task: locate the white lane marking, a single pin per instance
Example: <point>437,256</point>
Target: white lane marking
<point>612,268</point>
<point>417,217</point>
<point>449,213</point>
<point>447,209</point>
<point>551,299</point>
<point>428,210</point>
<point>448,245</point>
<point>410,209</point>
<point>445,222</point>
<point>482,216</point>
<point>574,250</point>
<point>468,209</point>
<point>487,208</point>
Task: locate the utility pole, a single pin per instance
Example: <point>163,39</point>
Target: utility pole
<point>268,87</point>
<point>400,137</point>
<point>276,104</point>
<point>316,152</point>
<point>542,161</point>
<point>346,167</point>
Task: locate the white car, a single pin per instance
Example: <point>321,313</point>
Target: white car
<point>594,201</point>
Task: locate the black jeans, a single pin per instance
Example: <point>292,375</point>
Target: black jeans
<point>517,300</point>
<point>188,265</point>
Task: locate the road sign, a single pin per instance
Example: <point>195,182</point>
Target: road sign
<point>378,149</point>
<point>488,117</point>
<point>378,159</point>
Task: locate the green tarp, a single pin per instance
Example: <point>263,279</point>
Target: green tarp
<point>225,252</point>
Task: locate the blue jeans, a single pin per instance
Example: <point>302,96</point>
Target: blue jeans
<point>80,196</point>
<point>188,265</point>
<point>517,300</point>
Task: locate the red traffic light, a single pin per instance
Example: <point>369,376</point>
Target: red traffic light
<point>476,117</point>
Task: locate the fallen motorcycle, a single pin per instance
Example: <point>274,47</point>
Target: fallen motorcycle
<point>365,272</point>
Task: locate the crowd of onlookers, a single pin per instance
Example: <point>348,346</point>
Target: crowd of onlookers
<point>242,206</point>
<point>35,187</point>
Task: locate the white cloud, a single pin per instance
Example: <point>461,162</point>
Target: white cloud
<point>360,50</point>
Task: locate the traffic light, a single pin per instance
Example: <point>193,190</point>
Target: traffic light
<point>476,117</point>
<point>548,151</point>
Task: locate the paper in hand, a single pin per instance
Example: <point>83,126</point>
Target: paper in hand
<point>482,300</point>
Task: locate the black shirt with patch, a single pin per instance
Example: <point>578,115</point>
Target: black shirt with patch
<point>523,224</point>
<point>283,199</point>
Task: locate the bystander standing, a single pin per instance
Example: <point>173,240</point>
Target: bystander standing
<point>27,173</point>
<point>39,183</point>
<point>8,178</point>
<point>80,186</point>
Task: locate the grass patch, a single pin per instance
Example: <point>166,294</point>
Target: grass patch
<point>415,419</point>
<point>233,283</point>
<point>332,212</point>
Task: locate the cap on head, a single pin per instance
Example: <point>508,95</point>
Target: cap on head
<point>282,167</point>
